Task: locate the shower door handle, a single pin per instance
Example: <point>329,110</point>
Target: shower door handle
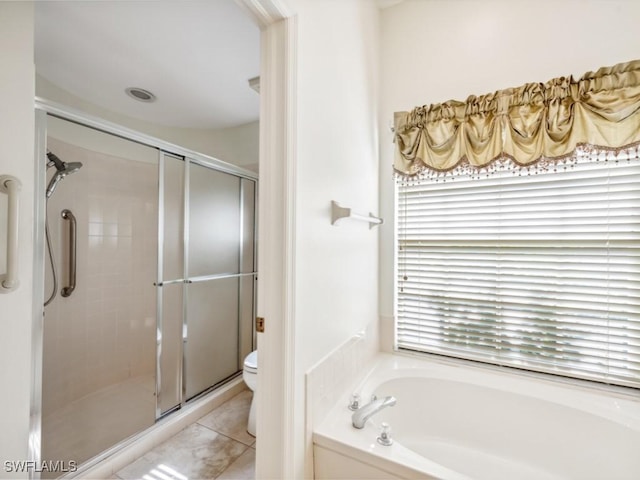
<point>67,215</point>
<point>11,186</point>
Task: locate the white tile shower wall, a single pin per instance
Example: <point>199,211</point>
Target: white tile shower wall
<point>329,381</point>
<point>105,332</point>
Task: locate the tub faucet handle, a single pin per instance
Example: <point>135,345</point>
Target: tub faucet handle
<point>354,403</point>
<point>385,437</point>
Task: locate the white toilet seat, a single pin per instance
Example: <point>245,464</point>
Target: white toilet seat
<point>251,362</point>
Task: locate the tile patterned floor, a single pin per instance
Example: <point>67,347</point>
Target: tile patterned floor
<point>215,447</point>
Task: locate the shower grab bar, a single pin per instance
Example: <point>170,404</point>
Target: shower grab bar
<point>10,280</point>
<point>68,215</point>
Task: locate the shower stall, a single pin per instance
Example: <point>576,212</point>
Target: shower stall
<point>149,280</point>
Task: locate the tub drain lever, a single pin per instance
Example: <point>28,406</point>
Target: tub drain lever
<point>384,438</point>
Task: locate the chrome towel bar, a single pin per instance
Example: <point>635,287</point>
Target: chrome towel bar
<point>339,212</point>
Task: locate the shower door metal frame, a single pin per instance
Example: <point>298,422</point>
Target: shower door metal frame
<point>160,283</point>
<point>37,325</point>
<point>43,108</point>
<point>185,275</point>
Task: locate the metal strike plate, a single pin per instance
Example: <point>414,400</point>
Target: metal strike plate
<point>259,324</point>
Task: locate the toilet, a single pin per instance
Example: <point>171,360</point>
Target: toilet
<point>250,376</point>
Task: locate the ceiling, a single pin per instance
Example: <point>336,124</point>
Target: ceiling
<point>196,56</point>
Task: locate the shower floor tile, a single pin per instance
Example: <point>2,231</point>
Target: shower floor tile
<point>215,447</point>
<point>91,424</point>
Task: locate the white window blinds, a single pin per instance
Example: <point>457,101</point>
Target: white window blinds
<point>540,272</point>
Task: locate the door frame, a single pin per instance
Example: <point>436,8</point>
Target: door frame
<point>275,449</point>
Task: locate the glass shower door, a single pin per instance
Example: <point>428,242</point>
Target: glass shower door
<point>206,278</point>
<point>163,304</point>
<point>99,337</point>
<point>211,343</point>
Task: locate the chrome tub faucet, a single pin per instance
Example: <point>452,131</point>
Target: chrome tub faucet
<point>364,413</point>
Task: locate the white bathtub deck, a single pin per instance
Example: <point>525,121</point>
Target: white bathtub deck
<point>457,422</point>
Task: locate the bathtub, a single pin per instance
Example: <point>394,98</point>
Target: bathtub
<point>456,421</point>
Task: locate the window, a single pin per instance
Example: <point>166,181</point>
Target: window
<point>538,271</point>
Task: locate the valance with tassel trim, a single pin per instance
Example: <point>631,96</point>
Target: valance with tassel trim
<point>535,123</point>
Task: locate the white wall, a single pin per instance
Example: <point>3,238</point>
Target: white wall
<point>336,267</point>
<point>237,145</point>
<point>16,158</point>
<point>335,271</point>
<point>436,50</point>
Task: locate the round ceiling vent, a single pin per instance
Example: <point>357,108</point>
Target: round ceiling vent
<point>140,94</point>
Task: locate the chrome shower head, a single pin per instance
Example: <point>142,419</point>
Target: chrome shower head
<point>71,167</point>
<point>63,169</point>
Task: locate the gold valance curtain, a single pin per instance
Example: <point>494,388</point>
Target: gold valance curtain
<point>526,124</point>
